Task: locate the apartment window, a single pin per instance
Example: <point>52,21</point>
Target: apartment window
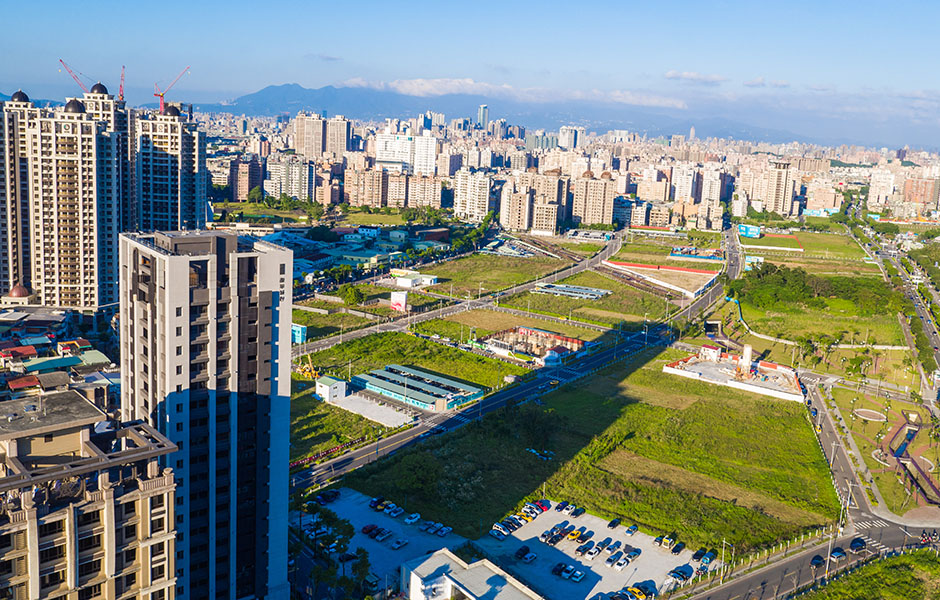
<point>179,331</point>
<point>179,388</point>
<point>130,509</point>
<point>51,579</point>
<point>161,594</point>
<point>156,502</point>
<point>48,438</point>
<point>89,518</point>
<point>179,408</point>
<point>89,542</point>
<point>179,369</point>
<point>157,551</point>
<point>130,556</point>
<point>90,592</point>
<point>157,573</point>
<point>156,525</point>
<point>283,269</point>
<point>130,532</point>
<point>89,568</point>
<point>179,351</point>
<point>179,312</point>
<point>179,427</point>
<point>52,553</point>
<point>51,528</point>
<point>130,580</point>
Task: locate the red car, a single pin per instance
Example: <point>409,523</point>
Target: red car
<point>368,529</point>
<point>544,504</point>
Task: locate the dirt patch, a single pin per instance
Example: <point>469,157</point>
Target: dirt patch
<point>870,415</point>
<point>631,467</point>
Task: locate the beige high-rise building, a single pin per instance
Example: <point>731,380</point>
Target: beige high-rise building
<point>592,200</point>
<point>515,207</point>
<point>471,195</point>
<point>88,511</point>
<point>337,134</point>
<point>778,194</point>
<point>365,188</point>
<point>310,135</point>
<point>397,194</point>
<point>545,218</point>
<point>424,191</point>
<point>244,175</point>
<point>75,208</point>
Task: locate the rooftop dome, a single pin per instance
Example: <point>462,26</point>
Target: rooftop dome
<point>99,88</point>
<point>171,111</point>
<point>74,106</point>
<point>19,96</point>
<point>18,291</point>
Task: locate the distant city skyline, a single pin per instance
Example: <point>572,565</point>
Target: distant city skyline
<point>798,63</point>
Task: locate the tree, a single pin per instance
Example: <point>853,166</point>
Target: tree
<point>361,567</point>
<point>351,295</point>
<point>316,211</point>
<point>255,195</point>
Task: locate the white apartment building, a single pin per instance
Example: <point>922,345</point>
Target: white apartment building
<point>471,195</point>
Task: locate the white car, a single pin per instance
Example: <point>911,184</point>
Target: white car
<point>569,509</point>
<point>391,506</point>
<point>611,560</point>
<point>399,543</point>
<point>622,563</point>
<point>593,552</point>
<point>396,513</point>
<point>500,528</point>
<point>443,531</point>
<point>413,518</point>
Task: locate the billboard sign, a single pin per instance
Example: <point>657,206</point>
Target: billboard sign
<point>749,231</point>
<point>400,301</point>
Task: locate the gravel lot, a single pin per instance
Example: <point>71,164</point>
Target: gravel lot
<point>354,506</point>
<point>652,565</point>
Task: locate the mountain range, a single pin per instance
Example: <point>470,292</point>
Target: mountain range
<point>377,104</point>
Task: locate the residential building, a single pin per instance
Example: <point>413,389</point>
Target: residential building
<point>337,134</point>
<point>570,137</point>
<point>395,152</point>
<point>778,196</point>
<point>686,183</point>
<point>89,511</point>
<point>397,191</point>
<point>425,154</point>
<point>881,187</point>
<point>310,135</point>
<point>245,174</point>
<point>74,191</point>
<point>424,191</point>
<point>592,200</point>
<point>292,175</point>
<point>515,207</point>
<point>170,172</point>
<point>922,192</point>
<point>205,359</point>
<point>448,164</point>
<point>546,217</point>
<point>365,188</point>
<point>471,195</point>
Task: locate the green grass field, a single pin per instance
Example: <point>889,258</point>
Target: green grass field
<point>252,209</point>
<point>626,303</point>
<point>381,349</point>
<point>839,316</point>
<point>318,426</point>
<point>822,222</point>
<point>485,322</point>
<point>670,454</point>
<point>374,292</point>
<point>829,245</point>
<point>914,576</point>
<point>319,325</point>
<point>822,266</point>
<point>583,248</point>
<point>776,242</point>
<point>375,218</point>
<point>465,276</point>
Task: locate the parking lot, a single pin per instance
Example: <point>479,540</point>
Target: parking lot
<point>651,566</point>
<point>385,561</point>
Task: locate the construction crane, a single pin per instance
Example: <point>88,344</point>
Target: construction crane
<point>79,81</point>
<point>121,89</point>
<point>159,94</point>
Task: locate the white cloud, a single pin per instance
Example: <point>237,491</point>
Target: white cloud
<point>694,77</point>
<point>756,82</point>
<point>780,84</point>
<point>444,86</point>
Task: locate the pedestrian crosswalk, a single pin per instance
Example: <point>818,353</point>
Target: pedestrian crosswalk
<point>870,524</point>
<point>873,545</point>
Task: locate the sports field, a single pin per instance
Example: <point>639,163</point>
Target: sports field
<point>489,273</point>
<point>625,303</point>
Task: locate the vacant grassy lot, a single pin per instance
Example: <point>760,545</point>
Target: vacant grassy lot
<point>381,349</point>
<point>914,576</point>
<point>374,292</point>
<point>670,454</point>
<point>355,217</point>
<point>318,426</point>
<point>830,245</point>
<point>484,322</point>
<point>839,315</point>
<point>625,304</point>
<point>252,209</point>
<point>823,266</point>
<point>465,276</point>
<point>319,325</point>
<point>582,248</point>
<point>772,240</point>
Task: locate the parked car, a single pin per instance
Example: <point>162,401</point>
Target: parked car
<point>631,529</point>
<point>510,525</point>
<point>682,573</point>
<point>620,564</point>
<point>577,576</point>
<point>573,535</point>
<point>435,527</point>
<point>699,554</point>
<point>389,507</point>
<point>634,554</point>
<point>709,557</point>
<point>583,548</point>
<point>593,552</point>
<point>399,543</point>
<point>568,572</point>
<point>658,541</point>
<point>528,558</point>
<point>603,543</point>
<point>578,512</point>
<point>635,593</point>
<point>612,559</point>
<point>613,524</point>
<point>412,518</point>
<point>376,501</point>
<point>569,509</point>
<point>558,568</point>
<point>522,551</point>
<point>837,554</point>
<point>380,507</point>
<point>561,506</point>
<point>368,528</point>
<point>817,561</point>
<point>613,547</point>
<point>396,513</point>
<point>383,536</point>
<point>555,539</point>
<point>857,545</point>
<point>500,528</point>
<point>443,531</point>
<point>543,504</point>
<point>545,536</point>
<point>678,548</point>
<point>499,535</point>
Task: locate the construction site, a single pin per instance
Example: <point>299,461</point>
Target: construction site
<point>713,365</point>
<point>528,344</point>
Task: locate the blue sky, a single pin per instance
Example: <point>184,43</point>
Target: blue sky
<point>842,60</point>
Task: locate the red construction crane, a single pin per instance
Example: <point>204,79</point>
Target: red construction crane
<point>159,94</point>
<point>75,77</point>
<point>121,89</point>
